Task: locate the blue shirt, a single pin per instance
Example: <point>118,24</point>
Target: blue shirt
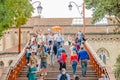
<point>45,48</point>
<point>83,55</point>
<point>59,51</point>
<point>68,76</point>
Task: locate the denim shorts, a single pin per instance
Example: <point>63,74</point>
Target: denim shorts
<point>44,65</point>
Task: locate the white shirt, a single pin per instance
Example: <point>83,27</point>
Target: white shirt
<point>50,38</point>
<point>34,48</point>
<point>41,38</point>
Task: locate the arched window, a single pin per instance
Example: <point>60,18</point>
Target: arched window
<point>10,61</point>
<point>103,54</point>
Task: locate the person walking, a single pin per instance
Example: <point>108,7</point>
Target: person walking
<point>43,57</point>
<point>80,38</point>
<point>32,71</point>
<point>34,58</point>
<point>63,75</point>
<point>39,59</point>
<point>59,51</point>
<point>28,54</point>
<point>62,59</point>
<point>73,48</point>
<point>74,62</point>
<point>83,57</point>
<point>52,54</point>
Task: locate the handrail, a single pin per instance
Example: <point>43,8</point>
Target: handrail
<point>97,63</point>
<point>11,73</point>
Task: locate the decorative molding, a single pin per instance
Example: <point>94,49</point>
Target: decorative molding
<point>103,37</point>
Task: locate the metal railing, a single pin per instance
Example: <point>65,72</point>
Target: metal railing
<point>11,72</point>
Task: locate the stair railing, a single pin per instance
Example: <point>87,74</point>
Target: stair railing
<point>11,72</point>
<point>97,63</point>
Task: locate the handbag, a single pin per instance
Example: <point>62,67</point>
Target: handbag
<point>60,60</point>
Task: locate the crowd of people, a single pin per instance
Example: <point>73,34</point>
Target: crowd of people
<point>44,50</point>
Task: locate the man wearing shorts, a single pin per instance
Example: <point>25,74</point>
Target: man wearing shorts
<point>43,57</point>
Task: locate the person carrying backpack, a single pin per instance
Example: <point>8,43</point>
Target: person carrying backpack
<point>63,75</point>
<point>62,59</point>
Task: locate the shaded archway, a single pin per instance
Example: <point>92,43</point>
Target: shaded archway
<point>9,63</point>
<point>1,64</point>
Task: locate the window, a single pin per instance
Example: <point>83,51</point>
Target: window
<point>77,21</point>
<point>102,56</point>
<point>102,22</point>
<point>1,64</point>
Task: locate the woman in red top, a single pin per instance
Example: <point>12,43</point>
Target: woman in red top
<point>64,58</point>
<point>74,62</point>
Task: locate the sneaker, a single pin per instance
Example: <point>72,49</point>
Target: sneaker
<point>74,76</point>
<point>45,73</point>
<point>83,75</point>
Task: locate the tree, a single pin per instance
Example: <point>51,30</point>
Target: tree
<point>117,68</point>
<point>14,12</point>
<point>101,8</point>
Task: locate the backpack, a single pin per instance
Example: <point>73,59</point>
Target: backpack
<point>63,77</point>
<point>60,60</point>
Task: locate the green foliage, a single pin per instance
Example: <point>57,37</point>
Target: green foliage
<point>117,68</point>
<point>104,7</point>
<point>14,12</point>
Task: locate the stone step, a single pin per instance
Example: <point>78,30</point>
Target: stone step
<point>56,67</point>
<point>68,69</point>
<point>81,78</point>
<point>55,73</point>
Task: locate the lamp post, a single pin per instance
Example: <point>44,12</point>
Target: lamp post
<point>83,12</point>
<point>39,9</point>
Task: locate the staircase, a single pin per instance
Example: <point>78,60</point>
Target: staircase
<point>18,71</point>
<point>52,72</point>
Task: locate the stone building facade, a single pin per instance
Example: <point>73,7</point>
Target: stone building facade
<point>100,37</point>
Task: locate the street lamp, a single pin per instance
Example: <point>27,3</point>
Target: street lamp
<point>39,9</point>
<point>83,12</point>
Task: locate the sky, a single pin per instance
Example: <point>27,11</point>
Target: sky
<point>59,9</point>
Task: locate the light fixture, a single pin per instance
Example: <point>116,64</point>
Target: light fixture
<point>70,7</point>
<point>39,9</point>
